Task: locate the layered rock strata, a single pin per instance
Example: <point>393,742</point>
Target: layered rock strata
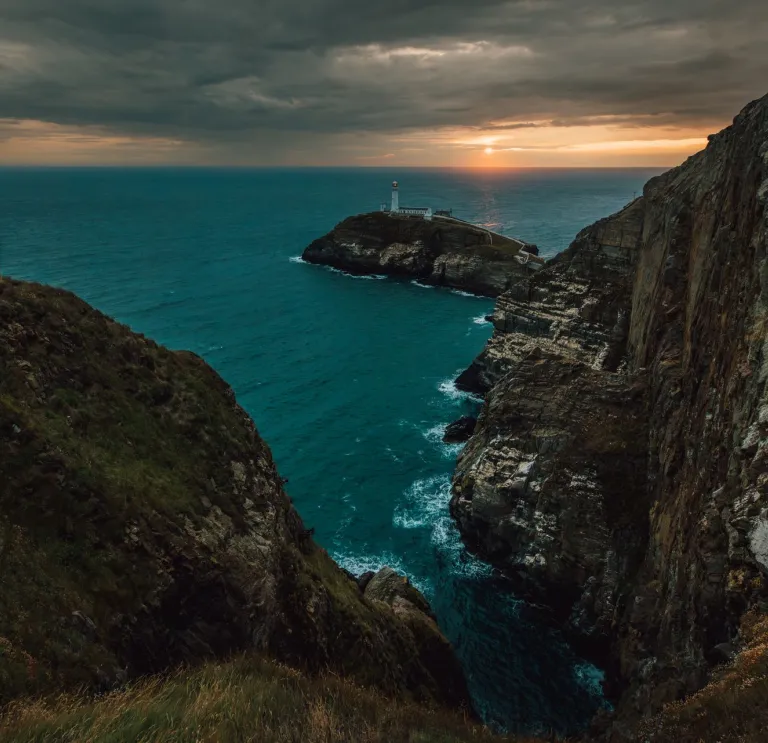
<point>438,252</point>
<point>620,463</point>
<point>143,524</point>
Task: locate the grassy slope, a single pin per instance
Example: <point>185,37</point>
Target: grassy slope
<point>732,708</point>
<point>247,699</point>
<point>116,455</point>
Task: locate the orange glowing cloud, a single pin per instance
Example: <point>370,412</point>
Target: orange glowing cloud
<point>28,142</point>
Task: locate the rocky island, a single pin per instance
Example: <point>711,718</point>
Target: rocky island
<point>619,468</point>
<point>436,252</point>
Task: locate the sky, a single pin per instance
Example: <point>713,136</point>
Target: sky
<point>457,83</point>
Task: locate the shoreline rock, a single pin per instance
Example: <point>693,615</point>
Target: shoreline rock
<point>460,431</point>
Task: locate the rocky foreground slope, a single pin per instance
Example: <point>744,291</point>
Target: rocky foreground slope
<point>143,524</point>
<point>619,467</point>
<point>440,252</point>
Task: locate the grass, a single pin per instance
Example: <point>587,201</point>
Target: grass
<point>143,525</point>
<point>732,708</point>
<point>246,699</point>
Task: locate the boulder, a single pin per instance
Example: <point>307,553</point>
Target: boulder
<point>460,431</point>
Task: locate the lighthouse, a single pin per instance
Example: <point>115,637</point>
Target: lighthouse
<point>395,198</point>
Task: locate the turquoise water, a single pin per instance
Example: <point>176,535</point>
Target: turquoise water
<point>349,380</point>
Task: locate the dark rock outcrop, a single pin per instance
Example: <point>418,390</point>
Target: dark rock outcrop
<point>460,431</point>
<point>395,590</point>
<point>578,305</point>
<point>620,463</point>
<point>143,524</point>
<point>439,252</point>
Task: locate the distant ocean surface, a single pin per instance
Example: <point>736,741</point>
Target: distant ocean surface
<point>348,380</point>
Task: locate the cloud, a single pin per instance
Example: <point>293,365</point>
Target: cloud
<point>269,80</point>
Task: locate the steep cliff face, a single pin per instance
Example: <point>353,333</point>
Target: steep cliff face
<point>143,524</point>
<point>577,306</point>
<point>438,252</point>
<point>698,332</point>
<point>621,461</point>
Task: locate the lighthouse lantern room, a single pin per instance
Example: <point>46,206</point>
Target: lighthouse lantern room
<point>408,211</point>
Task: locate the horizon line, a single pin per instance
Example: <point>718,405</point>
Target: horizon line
<point>206,166</point>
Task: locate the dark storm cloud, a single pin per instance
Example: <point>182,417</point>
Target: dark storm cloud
<point>236,69</point>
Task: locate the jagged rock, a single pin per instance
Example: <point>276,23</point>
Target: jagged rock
<point>143,524</point>
<point>365,579</point>
<point>578,306</point>
<point>648,336</point>
<point>552,486</point>
<point>388,585</point>
<point>437,252</point>
<point>460,431</point>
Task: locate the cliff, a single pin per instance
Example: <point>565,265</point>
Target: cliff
<point>143,524</point>
<point>619,465</point>
<point>439,252</point>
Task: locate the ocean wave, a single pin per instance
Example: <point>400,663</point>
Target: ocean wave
<point>332,269</point>
<point>423,503</point>
<point>465,294</point>
<point>449,389</point>
<point>418,283</point>
<point>435,436</point>
<point>590,678</point>
<point>425,506</point>
<point>481,320</point>
<point>364,277</point>
<point>359,564</point>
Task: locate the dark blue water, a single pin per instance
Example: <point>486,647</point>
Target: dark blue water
<point>349,380</point>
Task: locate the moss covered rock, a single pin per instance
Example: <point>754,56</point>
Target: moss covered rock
<point>143,523</point>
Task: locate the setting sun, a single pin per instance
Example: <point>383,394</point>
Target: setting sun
<point>489,150</point>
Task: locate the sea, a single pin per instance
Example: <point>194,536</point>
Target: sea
<point>349,379</point>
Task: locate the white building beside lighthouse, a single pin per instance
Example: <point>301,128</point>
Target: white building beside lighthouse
<point>424,212</point>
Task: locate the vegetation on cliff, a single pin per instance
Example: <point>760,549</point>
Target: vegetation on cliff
<point>731,707</point>
<point>247,699</point>
<point>143,524</point>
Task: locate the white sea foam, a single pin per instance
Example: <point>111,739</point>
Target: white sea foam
<point>435,436</point>
<point>481,320</point>
<point>448,387</point>
<point>372,277</point>
<point>392,454</point>
<point>416,282</point>
<point>423,502</point>
<point>364,277</point>
<point>465,294</point>
<point>590,678</point>
<point>296,259</point>
<point>359,564</point>
<point>425,506</point>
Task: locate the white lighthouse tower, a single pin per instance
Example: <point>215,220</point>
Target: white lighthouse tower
<point>395,198</point>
